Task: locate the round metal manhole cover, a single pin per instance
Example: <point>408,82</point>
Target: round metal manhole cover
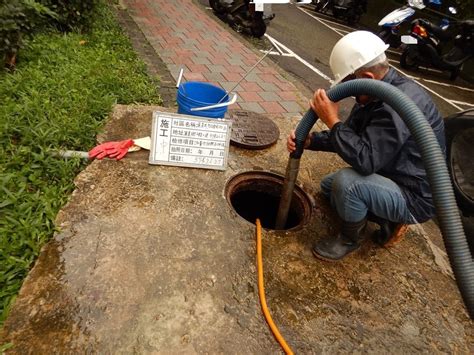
<point>252,130</point>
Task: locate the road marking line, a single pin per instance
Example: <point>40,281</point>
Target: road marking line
<point>462,103</point>
<point>320,21</point>
<point>277,53</point>
<point>270,52</point>
<point>452,86</point>
<point>430,90</point>
<point>275,45</point>
<point>345,32</point>
<point>431,69</point>
<point>333,22</point>
<point>392,51</point>
<point>421,67</point>
<point>310,66</point>
<point>434,81</point>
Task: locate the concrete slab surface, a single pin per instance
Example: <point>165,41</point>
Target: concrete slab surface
<point>153,259</point>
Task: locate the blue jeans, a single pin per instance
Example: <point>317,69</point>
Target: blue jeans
<point>354,195</point>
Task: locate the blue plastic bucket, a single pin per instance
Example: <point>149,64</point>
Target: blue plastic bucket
<point>194,95</point>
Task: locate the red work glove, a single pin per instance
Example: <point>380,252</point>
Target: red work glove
<point>120,149</point>
<point>113,150</point>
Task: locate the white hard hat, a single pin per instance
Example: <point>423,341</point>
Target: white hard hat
<point>353,51</point>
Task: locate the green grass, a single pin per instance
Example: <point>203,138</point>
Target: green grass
<point>58,97</point>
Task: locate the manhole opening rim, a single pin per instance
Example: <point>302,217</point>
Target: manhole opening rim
<point>305,200</point>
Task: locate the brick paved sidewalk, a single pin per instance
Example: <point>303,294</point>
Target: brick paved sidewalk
<point>183,35</point>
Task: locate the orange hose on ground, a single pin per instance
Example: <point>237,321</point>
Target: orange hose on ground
<point>261,292</point>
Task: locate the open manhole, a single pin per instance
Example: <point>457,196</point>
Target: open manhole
<point>256,194</point>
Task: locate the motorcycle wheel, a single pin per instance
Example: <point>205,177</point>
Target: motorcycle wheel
<point>258,28</point>
<point>337,14</point>
<point>217,7</point>
<point>409,58</point>
<point>459,130</point>
<point>389,38</point>
<point>455,73</point>
<point>318,6</point>
<point>353,18</point>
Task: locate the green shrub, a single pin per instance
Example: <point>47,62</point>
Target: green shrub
<point>72,14</point>
<point>17,21</point>
<point>63,89</point>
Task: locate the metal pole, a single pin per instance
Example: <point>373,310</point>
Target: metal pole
<point>245,75</point>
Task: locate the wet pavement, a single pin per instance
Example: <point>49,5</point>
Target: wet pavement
<point>153,259</point>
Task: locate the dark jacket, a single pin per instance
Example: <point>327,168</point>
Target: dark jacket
<point>374,139</point>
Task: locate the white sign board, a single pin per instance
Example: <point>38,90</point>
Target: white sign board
<point>191,141</point>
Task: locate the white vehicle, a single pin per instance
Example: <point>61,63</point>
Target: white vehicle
<point>390,32</point>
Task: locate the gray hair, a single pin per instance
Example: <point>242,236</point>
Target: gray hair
<point>378,64</point>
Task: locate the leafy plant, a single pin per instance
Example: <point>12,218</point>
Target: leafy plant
<point>17,20</point>
<point>72,14</point>
<point>58,97</point>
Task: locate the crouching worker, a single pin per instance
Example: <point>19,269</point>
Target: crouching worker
<point>386,181</point>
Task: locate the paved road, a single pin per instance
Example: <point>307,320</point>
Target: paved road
<point>312,35</point>
<point>304,41</point>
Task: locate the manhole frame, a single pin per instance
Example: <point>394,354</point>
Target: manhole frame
<point>307,201</point>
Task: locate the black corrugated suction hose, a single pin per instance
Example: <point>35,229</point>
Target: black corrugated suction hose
<point>435,164</point>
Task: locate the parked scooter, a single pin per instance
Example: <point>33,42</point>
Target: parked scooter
<point>248,16</point>
<point>348,10</point>
<point>390,32</point>
<point>242,16</point>
<point>424,46</point>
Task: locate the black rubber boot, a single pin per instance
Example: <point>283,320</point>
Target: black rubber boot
<point>347,241</point>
